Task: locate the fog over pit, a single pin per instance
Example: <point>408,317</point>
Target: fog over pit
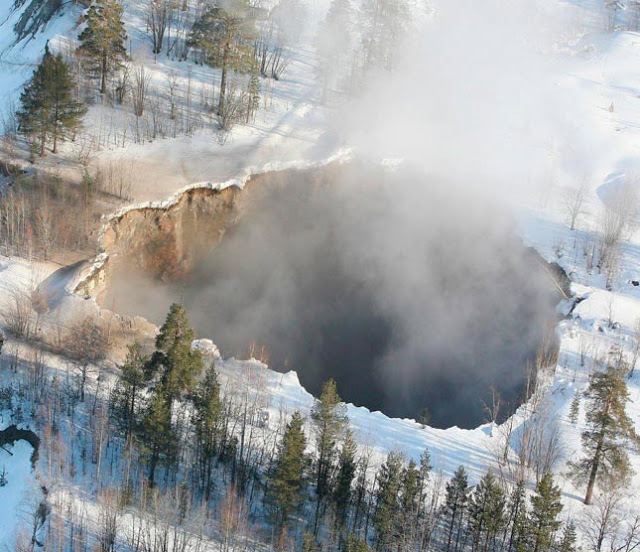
<point>411,295</point>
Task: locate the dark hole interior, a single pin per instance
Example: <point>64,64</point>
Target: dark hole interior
<point>410,293</point>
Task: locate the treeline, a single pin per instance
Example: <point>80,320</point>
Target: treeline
<point>184,455</point>
<point>170,410</point>
<point>246,42</point>
<point>249,43</point>
<point>362,38</point>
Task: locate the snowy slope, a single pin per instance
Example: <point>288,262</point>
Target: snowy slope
<point>18,59</point>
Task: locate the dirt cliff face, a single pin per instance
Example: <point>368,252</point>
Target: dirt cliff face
<point>164,243</point>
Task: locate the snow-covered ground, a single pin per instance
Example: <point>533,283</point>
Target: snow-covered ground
<point>16,495</point>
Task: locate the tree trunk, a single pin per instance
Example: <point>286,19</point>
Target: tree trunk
<point>223,77</point>
<point>594,470</point>
<point>103,82</point>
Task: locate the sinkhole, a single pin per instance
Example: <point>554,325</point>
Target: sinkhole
<point>412,293</point>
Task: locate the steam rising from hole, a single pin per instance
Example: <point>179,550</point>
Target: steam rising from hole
<point>410,296</point>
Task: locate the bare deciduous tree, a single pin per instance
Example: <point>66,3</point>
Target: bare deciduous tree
<point>574,198</point>
<point>123,83</point>
<point>140,89</point>
<point>603,519</point>
<point>618,216</point>
<point>108,519</point>
<point>159,14</point>
<point>86,343</point>
<point>17,313</point>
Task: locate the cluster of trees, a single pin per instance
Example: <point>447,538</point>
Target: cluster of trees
<point>34,221</point>
<point>195,454</point>
<point>329,497</point>
<point>615,223</point>
<point>348,52</point>
<point>247,43</point>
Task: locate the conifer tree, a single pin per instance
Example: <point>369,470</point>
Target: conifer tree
<point>383,23</point>
<point>329,418</point>
<point>456,500</point>
<point>543,518</point>
<point>49,111</point>
<point>157,433</point>
<point>253,96</point>
<point>287,481</point>
<point>608,426</point>
<point>208,412</point>
<point>411,489</point>
<point>334,45</point>
<point>309,543</point>
<point>224,34</point>
<point>102,42</point>
<point>410,503</point>
<point>355,544</point>
<point>569,538</point>
<point>517,509</point>
<point>344,479</point>
<point>127,393</point>
<point>425,472</point>
<point>175,360</point>
<point>574,411</point>
<point>388,507</point>
<point>487,511</point>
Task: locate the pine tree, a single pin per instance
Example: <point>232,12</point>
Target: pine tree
<point>253,96</point>
<point>334,45</point>
<point>574,411</point>
<point>329,418</point>
<point>309,543</point>
<point>127,393</point>
<point>207,417</point>
<point>455,506</point>
<point>543,518</point>
<point>177,362</point>
<point>608,426</point>
<point>569,538</point>
<point>344,479</point>
<point>425,472</point>
<point>224,35</point>
<point>157,433</point>
<point>517,509</point>
<point>410,500</point>
<point>287,481</point>
<point>102,42</point>
<point>487,511</point>
<point>410,503</point>
<point>388,507</point>
<point>355,544</point>
<point>49,111</point>
<point>383,23</point>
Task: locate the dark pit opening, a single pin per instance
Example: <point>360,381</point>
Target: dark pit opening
<point>410,292</point>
